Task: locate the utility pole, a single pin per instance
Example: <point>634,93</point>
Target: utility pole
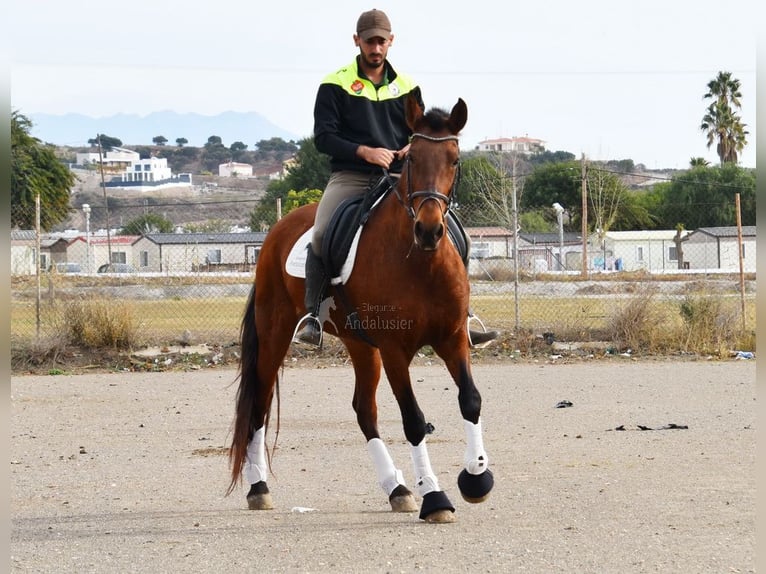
<point>106,202</point>
<point>515,211</point>
<point>584,232</point>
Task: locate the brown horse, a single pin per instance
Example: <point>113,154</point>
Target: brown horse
<point>410,289</point>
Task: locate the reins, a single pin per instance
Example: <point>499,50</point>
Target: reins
<point>427,194</point>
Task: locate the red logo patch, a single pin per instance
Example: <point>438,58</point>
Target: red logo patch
<point>357,87</point>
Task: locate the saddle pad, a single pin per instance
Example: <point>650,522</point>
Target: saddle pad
<point>296,259</point>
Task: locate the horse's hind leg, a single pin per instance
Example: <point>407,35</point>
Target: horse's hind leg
<point>366,362</point>
<point>274,331</point>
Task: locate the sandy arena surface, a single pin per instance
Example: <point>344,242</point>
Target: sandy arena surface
<point>127,473</point>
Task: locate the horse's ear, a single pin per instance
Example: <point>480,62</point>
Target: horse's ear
<point>458,117</point>
<point>413,110</point>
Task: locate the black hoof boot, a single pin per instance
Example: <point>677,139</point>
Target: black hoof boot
<point>475,487</point>
<point>437,508</point>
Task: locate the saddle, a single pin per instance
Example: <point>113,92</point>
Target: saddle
<point>352,214</point>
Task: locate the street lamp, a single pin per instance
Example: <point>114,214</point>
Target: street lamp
<point>86,211</point>
<point>560,219</point>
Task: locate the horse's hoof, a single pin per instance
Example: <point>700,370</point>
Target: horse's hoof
<point>437,508</point>
<point>440,517</point>
<point>259,497</point>
<point>475,488</point>
<point>260,502</point>
<point>402,500</point>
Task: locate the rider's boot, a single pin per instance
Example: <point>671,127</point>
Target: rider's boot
<point>481,338</point>
<point>309,328</point>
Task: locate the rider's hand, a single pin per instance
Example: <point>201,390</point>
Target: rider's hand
<point>376,155</point>
<point>402,152</point>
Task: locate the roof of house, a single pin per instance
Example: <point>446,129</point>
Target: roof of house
<point>22,234</point>
<point>495,231</point>
<point>234,164</point>
<point>209,238</point>
<point>644,235</point>
<point>570,238</point>
<point>512,140</point>
<point>731,231</point>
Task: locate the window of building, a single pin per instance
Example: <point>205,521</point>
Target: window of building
<point>119,257</point>
<point>214,256</point>
<point>640,253</point>
<point>673,253</point>
<point>143,259</point>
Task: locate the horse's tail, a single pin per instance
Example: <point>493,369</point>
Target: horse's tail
<point>247,394</point>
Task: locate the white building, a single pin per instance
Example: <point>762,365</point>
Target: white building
<point>115,157</point>
<point>147,170</point>
<point>524,145</point>
<point>235,169</point>
<point>654,251</point>
<point>715,249</point>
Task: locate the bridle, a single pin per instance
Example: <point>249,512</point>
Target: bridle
<point>428,194</point>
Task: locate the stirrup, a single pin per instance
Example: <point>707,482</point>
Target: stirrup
<point>309,331</point>
<point>479,339</point>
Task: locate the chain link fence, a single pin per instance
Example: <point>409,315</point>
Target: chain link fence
<point>639,289</point>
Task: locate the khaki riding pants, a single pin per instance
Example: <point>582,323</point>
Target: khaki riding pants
<point>341,186</point>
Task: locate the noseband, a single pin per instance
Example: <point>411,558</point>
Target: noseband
<point>428,194</point>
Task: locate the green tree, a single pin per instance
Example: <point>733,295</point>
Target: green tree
<point>704,197</point>
<point>554,182</point>
<point>296,199</point>
<point>214,154</point>
<point>698,161</point>
<point>181,142</point>
<point>159,140</point>
<point>276,144</point>
<point>35,170</point>
<point>721,123</point>
<point>107,142</point>
<point>210,226</point>
<point>145,224</point>
<point>310,171</point>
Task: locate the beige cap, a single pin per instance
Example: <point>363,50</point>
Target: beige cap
<point>373,23</point>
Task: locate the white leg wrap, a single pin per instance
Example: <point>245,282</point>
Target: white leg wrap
<point>425,479</point>
<point>255,465</point>
<point>389,477</point>
<point>475,459</point>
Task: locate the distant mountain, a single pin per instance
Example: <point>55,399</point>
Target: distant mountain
<point>132,129</point>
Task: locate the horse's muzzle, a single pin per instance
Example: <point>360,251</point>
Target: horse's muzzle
<point>427,236</point>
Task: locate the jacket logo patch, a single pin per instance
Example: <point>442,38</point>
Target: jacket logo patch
<point>394,89</point>
<point>357,87</point>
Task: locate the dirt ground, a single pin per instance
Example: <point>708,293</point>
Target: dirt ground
<point>126,472</point>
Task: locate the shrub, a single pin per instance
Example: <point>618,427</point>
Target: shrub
<point>99,324</point>
<point>636,324</point>
<point>711,325</point>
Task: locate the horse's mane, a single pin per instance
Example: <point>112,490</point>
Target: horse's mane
<point>436,119</point>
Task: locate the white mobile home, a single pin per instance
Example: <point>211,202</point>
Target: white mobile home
<point>715,249</point>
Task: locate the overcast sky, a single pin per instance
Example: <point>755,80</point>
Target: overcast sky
<point>612,80</point>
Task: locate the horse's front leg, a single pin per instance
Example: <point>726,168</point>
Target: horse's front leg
<point>366,361</point>
<point>436,506</point>
<point>475,481</point>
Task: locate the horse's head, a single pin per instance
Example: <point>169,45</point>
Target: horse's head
<point>431,170</point>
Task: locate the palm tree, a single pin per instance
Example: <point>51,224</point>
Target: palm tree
<point>698,162</point>
<point>721,123</point>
